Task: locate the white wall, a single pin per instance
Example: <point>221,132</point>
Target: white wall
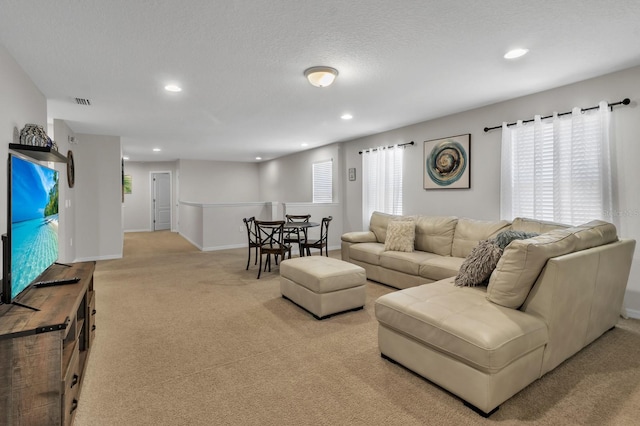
<point>99,197</point>
<point>219,226</point>
<point>217,181</point>
<point>482,201</point>
<point>138,206</point>
<point>20,103</point>
<point>289,179</point>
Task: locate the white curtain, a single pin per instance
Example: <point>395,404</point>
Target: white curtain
<point>381,181</point>
<point>558,169</point>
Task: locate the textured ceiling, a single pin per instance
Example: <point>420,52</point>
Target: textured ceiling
<point>241,65</point>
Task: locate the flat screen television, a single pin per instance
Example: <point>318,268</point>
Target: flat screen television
<point>31,243</point>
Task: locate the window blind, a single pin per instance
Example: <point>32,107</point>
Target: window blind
<point>323,182</point>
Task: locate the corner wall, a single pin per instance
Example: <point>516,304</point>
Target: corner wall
<point>67,202</point>
<point>98,225</point>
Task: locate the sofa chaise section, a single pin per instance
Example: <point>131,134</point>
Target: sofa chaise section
<point>473,342</point>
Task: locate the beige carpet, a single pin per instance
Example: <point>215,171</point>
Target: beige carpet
<point>191,338</point>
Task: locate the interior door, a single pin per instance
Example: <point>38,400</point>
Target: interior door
<point>161,201</point>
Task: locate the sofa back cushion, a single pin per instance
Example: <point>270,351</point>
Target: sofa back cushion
<point>378,225</point>
<point>521,263</point>
<point>594,233</point>
<point>534,225</point>
<point>434,234</point>
<point>523,260</point>
<point>470,232</point>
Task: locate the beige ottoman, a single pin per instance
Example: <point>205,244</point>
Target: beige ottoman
<point>322,285</point>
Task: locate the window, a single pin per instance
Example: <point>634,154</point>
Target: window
<point>382,181</point>
<point>323,182</point>
<point>558,170</point>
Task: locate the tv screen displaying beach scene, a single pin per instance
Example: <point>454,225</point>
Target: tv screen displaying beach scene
<point>34,221</point>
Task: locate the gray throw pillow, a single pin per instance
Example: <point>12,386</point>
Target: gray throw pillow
<point>478,266</point>
<point>505,237</point>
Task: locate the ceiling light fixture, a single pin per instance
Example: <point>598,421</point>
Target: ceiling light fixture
<point>321,76</point>
<point>156,150</point>
<point>125,158</point>
<point>303,144</point>
<point>258,158</point>
<point>515,53</point>
<point>346,116</point>
<point>172,88</point>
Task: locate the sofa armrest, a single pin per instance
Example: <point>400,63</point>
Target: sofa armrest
<point>359,237</point>
<point>351,238</point>
<point>579,295</point>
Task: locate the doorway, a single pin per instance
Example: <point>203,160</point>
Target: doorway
<point>161,200</point>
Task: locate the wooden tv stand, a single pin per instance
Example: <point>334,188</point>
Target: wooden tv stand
<point>43,354</point>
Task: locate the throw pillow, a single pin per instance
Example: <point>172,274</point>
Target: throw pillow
<point>401,235</point>
<point>478,266</point>
<point>505,237</point>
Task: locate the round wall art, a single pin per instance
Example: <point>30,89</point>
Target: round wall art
<point>446,162</point>
<point>71,170</point>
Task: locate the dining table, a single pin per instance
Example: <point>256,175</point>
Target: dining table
<point>297,227</point>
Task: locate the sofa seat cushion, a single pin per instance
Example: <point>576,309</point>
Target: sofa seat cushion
<point>460,322</point>
<point>367,252</point>
<point>440,267</point>
<point>409,263</point>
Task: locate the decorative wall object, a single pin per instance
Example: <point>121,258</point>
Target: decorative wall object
<point>352,174</point>
<point>127,184</point>
<point>447,163</point>
<point>71,169</point>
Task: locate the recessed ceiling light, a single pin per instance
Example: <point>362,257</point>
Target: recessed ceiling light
<point>258,158</point>
<point>346,116</point>
<point>172,88</point>
<point>156,150</point>
<point>304,144</point>
<point>515,53</point>
<point>125,158</point>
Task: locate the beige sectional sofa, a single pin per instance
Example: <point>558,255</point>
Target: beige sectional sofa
<point>548,297</point>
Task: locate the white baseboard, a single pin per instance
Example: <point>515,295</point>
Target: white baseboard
<point>96,258</point>
<point>137,230</point>
<point>217,248</point>
<point>632,313</point>
<point>243,245</point>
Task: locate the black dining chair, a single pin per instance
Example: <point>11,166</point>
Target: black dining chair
<point>252,238</point>
<point>323,242</point>
<point>271,237</point>
<point>296,235</point>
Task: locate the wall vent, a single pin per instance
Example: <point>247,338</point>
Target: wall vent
<point>82,101</point>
